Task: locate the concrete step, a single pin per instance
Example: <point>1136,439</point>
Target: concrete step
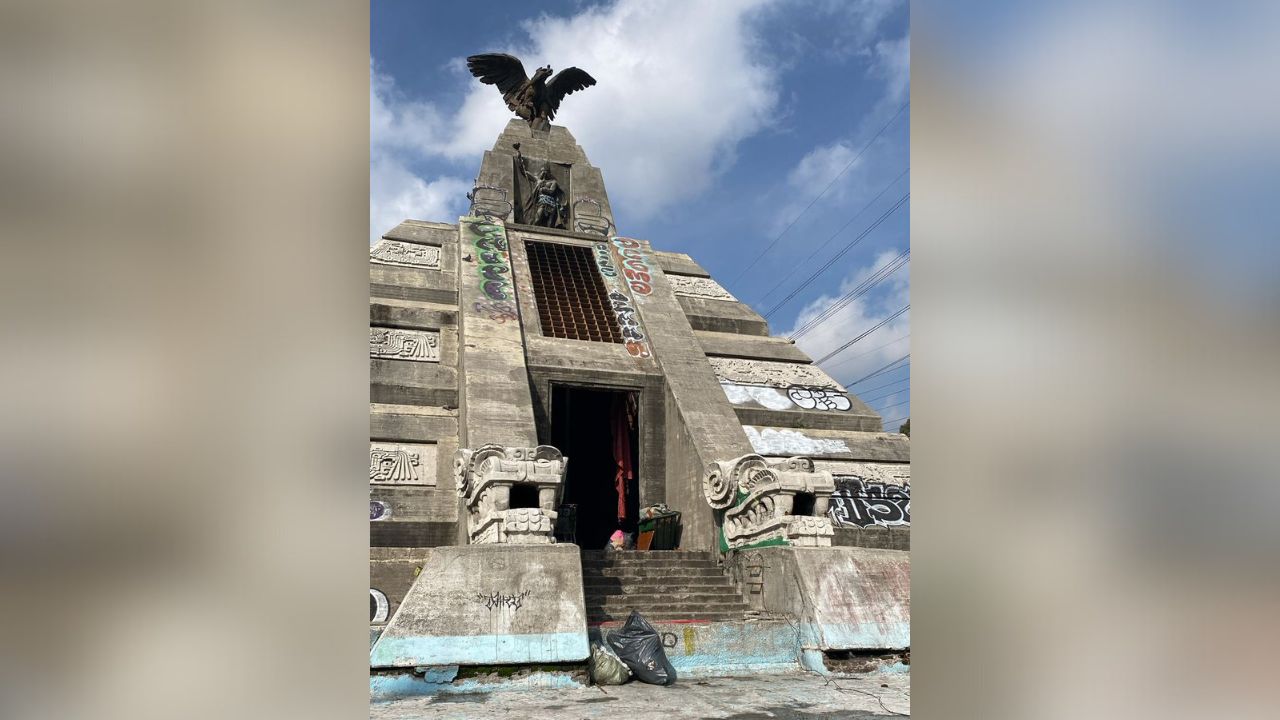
<point>693,610</point>
<point>614,617</point>
<point>656,585</point>
<point>662,599</point>
<point>647,555</point>
<point>651,572</point>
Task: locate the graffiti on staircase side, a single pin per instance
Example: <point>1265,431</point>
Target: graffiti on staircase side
<point>858,502</point>
<point>492,261</point>
<point>634,266</point>
<point>499,312</point>
<point>624,312</point>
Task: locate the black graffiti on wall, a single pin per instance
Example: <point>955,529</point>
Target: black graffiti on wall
<point>500,599</point>
<point>859,502</point>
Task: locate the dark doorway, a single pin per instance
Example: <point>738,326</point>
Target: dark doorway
<point>592,428</point>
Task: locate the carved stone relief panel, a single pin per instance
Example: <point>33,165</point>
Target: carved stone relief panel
<point>402,463</point>
<point>397,344</point>
<point>771,373</point>
<point>398,252</point>
<point>698,287</point>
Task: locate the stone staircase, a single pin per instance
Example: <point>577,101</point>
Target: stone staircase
<point>662,585</point>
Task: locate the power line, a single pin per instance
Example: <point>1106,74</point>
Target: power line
<point>863,288</point>
<point>824,191</point>
<point>851,358</point>
<point>891,393</point>
<point>870,330</point>
<point>897,422</point>
<point>878,387</point>
<point>903,366</point>
<point>840,254</point>
<point>904,402</point>
<point>864,378</point>
<point>827,242</point>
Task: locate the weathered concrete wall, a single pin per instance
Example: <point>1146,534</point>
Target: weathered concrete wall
<point>496,403</point>
<point>413,392</point>
<point>749,346</point>
<point>846,598</point>
<point>489,605</point>
<point>425,284</point>
<point>678,263</point>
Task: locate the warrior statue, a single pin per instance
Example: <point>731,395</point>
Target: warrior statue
<point>544,206</point>
<point>535,99</point>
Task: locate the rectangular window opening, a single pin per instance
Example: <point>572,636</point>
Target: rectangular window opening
<point>571,297</point>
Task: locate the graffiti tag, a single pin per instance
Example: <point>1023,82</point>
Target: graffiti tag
<point>379,510</point>
<point>499,312</point>
<point>811,398</point>
<point>861,503</point>
<point>498,599</point>
<point>633,336</point>
<point>378,606</point>
<point>492,262</point>
<point>639,278</point>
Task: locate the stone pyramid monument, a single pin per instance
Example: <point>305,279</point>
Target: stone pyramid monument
<point>540,381</point>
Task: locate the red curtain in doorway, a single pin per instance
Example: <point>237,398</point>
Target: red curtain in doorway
<point>621,424</point>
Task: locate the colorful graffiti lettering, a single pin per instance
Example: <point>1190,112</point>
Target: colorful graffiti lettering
<point>639,277</point>
<point>492,262</point>
<point>499,312</point>
<point>860,503</point>
<point>633,336</point>
<point>605,261</point>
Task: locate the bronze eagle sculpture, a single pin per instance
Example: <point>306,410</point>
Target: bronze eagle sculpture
<point>535,99</point>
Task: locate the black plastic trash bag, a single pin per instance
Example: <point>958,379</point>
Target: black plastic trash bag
<point>640,647</point>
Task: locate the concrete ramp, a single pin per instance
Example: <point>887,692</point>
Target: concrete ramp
<point>489,605</point>
<point>847,598</point>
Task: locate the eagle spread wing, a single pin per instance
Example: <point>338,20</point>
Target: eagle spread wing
<point>499,69</point>
<point>565,82</point>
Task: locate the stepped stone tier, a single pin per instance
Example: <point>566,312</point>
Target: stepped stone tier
<point>568,376</point>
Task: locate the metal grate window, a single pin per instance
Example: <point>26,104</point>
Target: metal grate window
<point>572,300</point>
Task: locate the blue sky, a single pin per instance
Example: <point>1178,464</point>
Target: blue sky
<point>715,124</point>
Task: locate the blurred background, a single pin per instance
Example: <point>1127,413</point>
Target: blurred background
<point>1095,299</point>
<point>185,225</point>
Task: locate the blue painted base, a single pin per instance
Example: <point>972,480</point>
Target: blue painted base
<point>441,681</point>
<point>479,649</point>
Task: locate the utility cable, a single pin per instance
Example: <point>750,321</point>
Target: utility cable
<point>827,242</point>
<point>879,276</point>
<point>864,378</point>
<point>824,191</point>
<point>902,200</point>
<point>870,330</point>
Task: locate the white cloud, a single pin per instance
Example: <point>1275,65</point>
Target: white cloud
<point>396,194</point>
<point>892,63</point>
<point>401,128</point>
<point>680,84</point>
<point>877,349</point>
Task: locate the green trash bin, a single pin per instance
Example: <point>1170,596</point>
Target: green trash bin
<point>660,532</point>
